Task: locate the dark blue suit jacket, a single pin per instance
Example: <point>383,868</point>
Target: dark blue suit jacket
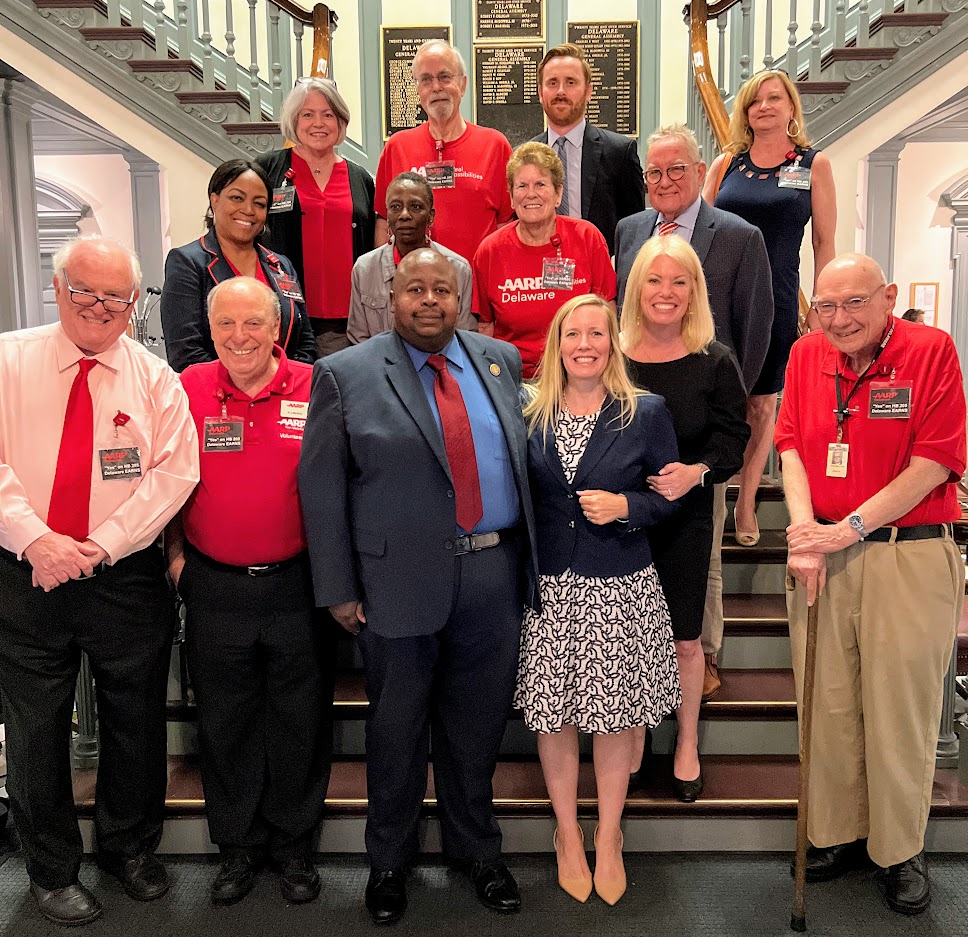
<point>617,460</point>
<point>376,489</point>
<point>734,259</point>
<point>191,273</point>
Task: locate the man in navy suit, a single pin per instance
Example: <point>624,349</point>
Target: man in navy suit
<point>437,605</point>
<point>734,259</point>
<point>603,175</point>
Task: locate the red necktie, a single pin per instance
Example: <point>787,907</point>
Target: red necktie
<point>70,497</point>
<point>459,444</point>
<point>667,227</point>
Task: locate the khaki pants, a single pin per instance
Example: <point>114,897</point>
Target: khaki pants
<point>712,619</point>
<point>886,629</point>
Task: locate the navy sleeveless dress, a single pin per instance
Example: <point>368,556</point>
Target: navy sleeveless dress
<point>752,192</point>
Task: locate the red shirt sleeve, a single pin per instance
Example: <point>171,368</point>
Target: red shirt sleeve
<point>940,436</point>
<point>785,435</point>
<point>504,212</point>
<point>481,305</point>
<point>384,176</point>
<point>604,282</point>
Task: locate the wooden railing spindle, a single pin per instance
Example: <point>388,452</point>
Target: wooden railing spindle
<point>816,27</point>
<point>746,50</point>
<point>275,65</point>
<point>231,66</point>
<point>721,22</point>
<point>792,58</point>
<point>840,25</point>
<point>114,12</point>
<point>181,22</point>
<point>161,31</point>
<point>297,30</point>
<point>768,59</point>
<point>255,90</point>
<point>136,13</point>
<point>208,63</point>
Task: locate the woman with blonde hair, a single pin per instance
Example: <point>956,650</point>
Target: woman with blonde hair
<point>777,182</point>
<point>669,338</point>
<point>598,658</point>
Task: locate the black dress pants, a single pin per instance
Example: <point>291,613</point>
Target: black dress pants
<point>261,663</point>
<point>124,619</point>
<point>454,688</point>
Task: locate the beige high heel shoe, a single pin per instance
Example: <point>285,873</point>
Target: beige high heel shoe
<point>610,889</point>
<point>579,888</point>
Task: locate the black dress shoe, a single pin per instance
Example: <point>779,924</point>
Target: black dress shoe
<point>687,792</point>
<point>299,880</point>
<point>908,887</point>
<point>69,907</point>
<point>495,886</point>
<point>143,877</point>
<point>386,895</point>
<point>830,862</point>
<point>235,878</point>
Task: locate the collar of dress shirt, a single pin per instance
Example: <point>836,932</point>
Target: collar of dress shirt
<point>68,354</point>
<point>575,136</point>
<point>280,383</point>
<point>685,219</point>
<point>451,351</point>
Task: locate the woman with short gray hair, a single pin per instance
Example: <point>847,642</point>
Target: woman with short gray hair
<point>321,215</point>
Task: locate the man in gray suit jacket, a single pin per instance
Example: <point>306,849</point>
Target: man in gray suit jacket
<point>425,549</point>
<point>603,175</point>
<point>734,259</point>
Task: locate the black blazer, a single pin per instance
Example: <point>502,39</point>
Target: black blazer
<point>737,269</point>
<point>617,460</point>
<point>285,228</point>
<point>612,185</point>
<point>191,273</point>
<point>376,489</point>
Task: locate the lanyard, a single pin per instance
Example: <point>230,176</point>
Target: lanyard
<point>440,150</point>
<point>842,411</point>
<point>556,242</point>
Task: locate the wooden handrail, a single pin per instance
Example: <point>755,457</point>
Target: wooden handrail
<point>294,10</point>
<point>702,73</point>
<point>324,21</point>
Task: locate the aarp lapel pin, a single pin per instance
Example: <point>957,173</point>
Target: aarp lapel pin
<point>495,369</point>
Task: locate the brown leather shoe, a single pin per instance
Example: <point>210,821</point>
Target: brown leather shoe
<point>69,907</point>
<point>710,680</point>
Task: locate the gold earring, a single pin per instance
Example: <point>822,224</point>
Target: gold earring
<point>793,133</point>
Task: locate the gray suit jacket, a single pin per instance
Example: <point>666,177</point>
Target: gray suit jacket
<point>376,489</point>
<point>733,257</point>
<point>612,186</point>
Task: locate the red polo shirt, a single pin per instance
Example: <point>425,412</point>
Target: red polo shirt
<point>245,510</point>
<point>917,356</point>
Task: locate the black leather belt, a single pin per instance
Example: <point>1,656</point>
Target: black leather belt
<point>475,542</point>
<point>265,569</point>
<point>917,532</point>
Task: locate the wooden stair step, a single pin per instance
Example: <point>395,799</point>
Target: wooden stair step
<point>151,66</point>
<point>736,786</point>
<point>907,20</point>
<point>767,491</point>
<point>211,97</point>
<point>859,54</point>
<point>753,615</point>
<point>772,548</point>
<point>118,34</point>
<point>99,6</point>
<point>822,87</point>
<point>252,128</point>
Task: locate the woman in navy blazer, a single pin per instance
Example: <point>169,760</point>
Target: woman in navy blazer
<point>239,193</point>
<point>599,655</point>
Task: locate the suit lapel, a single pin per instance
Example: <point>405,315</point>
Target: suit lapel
<point>703,232</point>
<point>403,378</point>
<point>604,434</point>
<point>218,266</point>
<point>591,161</point>
<point>547,445</point>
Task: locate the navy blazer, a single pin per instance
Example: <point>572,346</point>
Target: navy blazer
<point>617,460</point>
<point>737,269</point>
<point>376,489</point>
<point>191,273</point>
<point>612,185</point>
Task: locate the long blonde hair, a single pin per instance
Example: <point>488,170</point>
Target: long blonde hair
<point>547,392</point>
<point>698,327</point>
<point>740,135</point>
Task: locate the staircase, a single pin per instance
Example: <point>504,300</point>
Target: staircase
<point>748,739</point>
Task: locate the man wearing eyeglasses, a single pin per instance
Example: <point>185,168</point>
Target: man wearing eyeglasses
<point>871,434</point>
<point>97,452</point>
<point>734,259</point>
<point>603,175</point>
<point>463,163</point>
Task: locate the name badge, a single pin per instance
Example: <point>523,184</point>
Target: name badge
<point>794,177</point>
<point>558,273</point>
<point>120,463</point>
<point>222,435</point>
<point>294,409</point>
<point>441,175</point>
<point>890,401</point>
<point>289,286</point>
<point>837,453</point>
<point>283,199</point>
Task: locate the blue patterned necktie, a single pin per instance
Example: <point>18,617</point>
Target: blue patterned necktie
<point>563,156</point>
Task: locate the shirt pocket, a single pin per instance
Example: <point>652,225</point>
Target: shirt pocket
<point>377,312</point>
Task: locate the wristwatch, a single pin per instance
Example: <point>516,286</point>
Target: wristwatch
<point>857,522</point>
<point>704,476</point>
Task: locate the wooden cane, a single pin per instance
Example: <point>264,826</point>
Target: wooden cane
<point>798,919</point>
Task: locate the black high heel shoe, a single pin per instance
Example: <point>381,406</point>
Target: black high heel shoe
<point>639,780</point>
<point>686,792</point>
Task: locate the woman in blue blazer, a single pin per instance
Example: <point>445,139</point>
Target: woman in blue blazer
<point>239,193</point>
<point>599,656</point>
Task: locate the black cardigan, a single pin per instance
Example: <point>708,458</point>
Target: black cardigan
<point>285,228</point>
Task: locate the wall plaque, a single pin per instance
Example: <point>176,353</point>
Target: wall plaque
<point>507,90</point>
<point>612,50</point>
<point>401,106</point>
<point>496,20</point>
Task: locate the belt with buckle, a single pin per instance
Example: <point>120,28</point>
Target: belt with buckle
<point>474,542</point>
<point>917,532</point>
<point>263,569</point>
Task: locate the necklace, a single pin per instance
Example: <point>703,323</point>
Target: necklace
<point>568,410</point>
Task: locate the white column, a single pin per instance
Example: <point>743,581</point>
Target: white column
<point>882,165</point>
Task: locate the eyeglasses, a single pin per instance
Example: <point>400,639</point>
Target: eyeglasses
<point>444,79</point>
<point>111,305</point>
<point>855,304</point>
<point>673,173</point>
